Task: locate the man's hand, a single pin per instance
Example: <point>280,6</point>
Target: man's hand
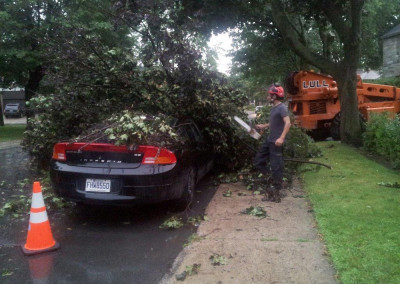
<point>279,141</point>
<point>261,126</point>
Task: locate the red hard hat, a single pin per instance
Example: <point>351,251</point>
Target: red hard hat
<point>276,90</point>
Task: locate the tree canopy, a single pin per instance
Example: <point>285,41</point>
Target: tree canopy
<point>135,56</point>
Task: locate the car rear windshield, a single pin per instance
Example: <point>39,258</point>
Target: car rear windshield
<point>14,106</point>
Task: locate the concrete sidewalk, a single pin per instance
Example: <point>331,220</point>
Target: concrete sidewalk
<point>284,247</point>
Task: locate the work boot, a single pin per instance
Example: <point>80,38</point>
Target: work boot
<point>276,197</point>
<point>273,197</point>
<point>269,195</point>
<point>272,194</point>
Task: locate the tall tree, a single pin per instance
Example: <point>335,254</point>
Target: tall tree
<point>24,26</point>
<point>345,19</point>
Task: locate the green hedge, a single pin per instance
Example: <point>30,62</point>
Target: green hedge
<point>382,136</point>
<point>392,81</point>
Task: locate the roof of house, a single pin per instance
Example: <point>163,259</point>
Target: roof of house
<point>393,32</point>
<point>16,95</point>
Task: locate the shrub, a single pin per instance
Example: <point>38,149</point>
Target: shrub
<point>392,81</point>
<point>382,136</point>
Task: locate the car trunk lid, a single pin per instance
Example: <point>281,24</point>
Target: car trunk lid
<point>104,154</point>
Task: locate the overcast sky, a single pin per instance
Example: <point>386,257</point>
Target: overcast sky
<point>222,44</point>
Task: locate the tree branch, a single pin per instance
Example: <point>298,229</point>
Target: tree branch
<point>334,14</point>
<point>356,9</point>
<point>283,23</point>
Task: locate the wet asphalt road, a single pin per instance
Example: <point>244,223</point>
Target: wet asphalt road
<point>98,245</point>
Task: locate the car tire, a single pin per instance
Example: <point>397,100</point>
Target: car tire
<point>186,199</point>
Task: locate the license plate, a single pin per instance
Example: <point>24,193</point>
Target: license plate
<point>98,185</point>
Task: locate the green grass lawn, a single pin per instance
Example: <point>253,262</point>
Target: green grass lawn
<point>11,132</point>
<point>359,219</point>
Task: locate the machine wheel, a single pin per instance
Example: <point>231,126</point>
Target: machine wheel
<point>335,126</point>
<point>320,134</point>
<point>186,199</point>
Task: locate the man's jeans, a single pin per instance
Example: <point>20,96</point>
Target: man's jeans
<point>269,159</point>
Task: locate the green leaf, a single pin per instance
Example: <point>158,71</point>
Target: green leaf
<point>217,259</point>
<point>6,273</point>
<point>255,211</point>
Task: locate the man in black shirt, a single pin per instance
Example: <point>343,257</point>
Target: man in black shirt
<point>269,158</point>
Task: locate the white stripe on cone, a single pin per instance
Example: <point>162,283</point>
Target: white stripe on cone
<point>37,200</point>
<point>39,217</point>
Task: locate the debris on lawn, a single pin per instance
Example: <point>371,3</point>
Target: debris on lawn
<point>390,184</point>
<point>299,196</point>
<point>217,259</point>
<point>229,178</point>
<point>189,271</point>
<point>6,273</point>
<point>227,193</point>
<point>181,276</point>
<point>132,128</point>
<point>193,238</point>
<point>172,223</point>
<point>255,211</point>
<point>192,269</point>
<point>303,240</point>
<point>269,239</point>
<point>19,203</point>
<point>196,220</point>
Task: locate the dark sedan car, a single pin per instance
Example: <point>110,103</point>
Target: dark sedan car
<point>103,173</point>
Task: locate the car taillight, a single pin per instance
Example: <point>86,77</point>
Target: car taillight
<point>59,152</point>
<point>155,155</point>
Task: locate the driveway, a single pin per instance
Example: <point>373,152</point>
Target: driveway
<point>8,121</point>
<point>98,245</point>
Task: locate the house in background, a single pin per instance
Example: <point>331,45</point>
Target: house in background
<point>368,74</point>
<point>16,95</point>
<point>391,52</point>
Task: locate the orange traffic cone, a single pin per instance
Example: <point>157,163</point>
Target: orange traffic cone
<point>40,239</point>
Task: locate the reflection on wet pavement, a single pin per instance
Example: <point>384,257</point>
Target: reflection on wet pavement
<point>13,168</point>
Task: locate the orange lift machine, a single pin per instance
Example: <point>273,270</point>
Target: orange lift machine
<point>314,100</point>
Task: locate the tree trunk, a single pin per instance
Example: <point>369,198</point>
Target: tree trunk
<point>35,76</point>
<point>346,78</point>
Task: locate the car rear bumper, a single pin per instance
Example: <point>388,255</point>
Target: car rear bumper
<point>12,114</point>
<point>128,186</point>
